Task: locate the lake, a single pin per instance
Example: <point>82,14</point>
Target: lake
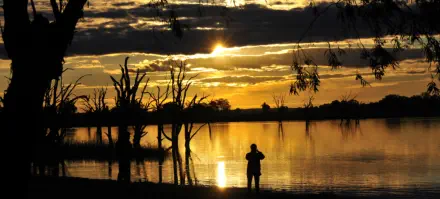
<point>399,155</point>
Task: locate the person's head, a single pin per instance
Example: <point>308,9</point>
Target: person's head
<point>253,147</point>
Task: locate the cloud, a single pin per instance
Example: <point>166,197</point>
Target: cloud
<point>151,67</point>
<point>251,25</point>
<point>241,79</point>
<point>124,4</point>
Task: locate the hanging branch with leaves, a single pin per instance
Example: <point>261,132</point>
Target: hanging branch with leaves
<point>401,24</point>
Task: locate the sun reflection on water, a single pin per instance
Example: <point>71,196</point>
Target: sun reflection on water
<point>221,175</point>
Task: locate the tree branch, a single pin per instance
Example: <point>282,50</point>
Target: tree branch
<point>197,131</point>
<point>55,10</point>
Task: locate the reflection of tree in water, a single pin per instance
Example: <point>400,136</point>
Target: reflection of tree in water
<point>141,170</point>
<point>110,168</point>
<point>70,134</point>
<point>189,168</point>
<point>393,124</point>
<point>89,133</point>
<point>281,130</point>
<point>189,162</point>
<point>350,129</point>
<point>308,135</point>
<point>310,141</point>
<point>266,126</point>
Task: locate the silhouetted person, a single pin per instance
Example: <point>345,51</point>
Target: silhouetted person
<point>253,167</point>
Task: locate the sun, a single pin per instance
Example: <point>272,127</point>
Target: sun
<point>219,49</point>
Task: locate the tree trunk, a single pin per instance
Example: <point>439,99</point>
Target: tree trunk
<point>124,151</point>
<point>174,152</point>
<point>160,170</point>
<point>137,137</point>
<point>187,162</point>
<point>109,135</point>
<point>187,152</point>
<point>159,136</point>
<point>99,135</point>
<point>36,50</point>
<point>181,172</point>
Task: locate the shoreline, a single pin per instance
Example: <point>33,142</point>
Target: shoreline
<point>86,125</point>
<point>71,187</point>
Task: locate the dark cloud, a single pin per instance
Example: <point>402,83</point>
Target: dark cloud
<point>241,79</point>
<point>248,25</point>
<point>252,25</point>
<point>153,67</point>
<point>124,4</point>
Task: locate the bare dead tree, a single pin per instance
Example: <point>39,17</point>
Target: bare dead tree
<point>279,101</point>
<point>193,108</point>
<point>128,103</point>
<point>59,103</point>
<point>179,86</point>
<point>158,100</point>
<point>96,104</point>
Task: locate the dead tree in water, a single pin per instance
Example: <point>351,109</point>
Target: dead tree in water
<point>158,101</point>
<point>59,104</point>
<point>36,49</point>
<point>193,111</point>
<point>180,85</point>
<point>95,104</point>
<point>127,104</point>
<point>279,101</point>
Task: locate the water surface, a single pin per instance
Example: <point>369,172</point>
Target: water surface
<point>399,155</point>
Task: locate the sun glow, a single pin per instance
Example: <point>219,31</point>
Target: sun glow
<point>218,50</point>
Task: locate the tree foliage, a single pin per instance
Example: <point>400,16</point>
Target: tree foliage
<point>400,24</point>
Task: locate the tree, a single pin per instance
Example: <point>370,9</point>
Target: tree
<point>59,104</point>
<point>194,110</point>
<point>265,107</point>
<point>220,104</point>
<point>128,104</point>
<point>179,86</point>
<point>158,101</point>
<point>279,101</point>
<point>395,24</point>
<point>97,105</point>
<point>36,49</point>
<point>349,108</point>
<point>307,107</point>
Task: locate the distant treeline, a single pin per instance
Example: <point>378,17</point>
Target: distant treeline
<point>389,106</point>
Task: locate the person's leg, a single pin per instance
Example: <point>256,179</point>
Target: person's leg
<point>257,183</point>
<point>249,177</point>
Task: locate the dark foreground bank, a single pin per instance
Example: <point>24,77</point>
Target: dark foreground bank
<point>78,188</point>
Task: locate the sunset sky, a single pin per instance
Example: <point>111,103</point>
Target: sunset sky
<point>243,54</point>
